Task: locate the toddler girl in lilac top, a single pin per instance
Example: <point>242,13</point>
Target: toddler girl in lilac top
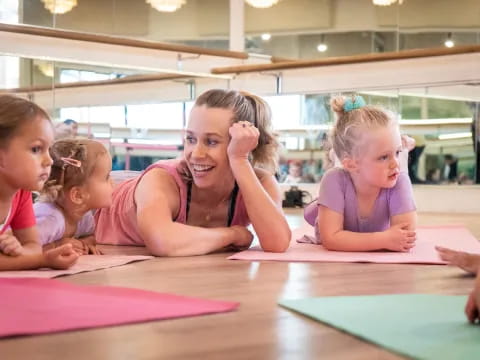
<point>368,204</point>
<point>79,182</point>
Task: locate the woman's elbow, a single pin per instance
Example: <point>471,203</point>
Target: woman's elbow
<point>280,242</point>
<point>159,246</point>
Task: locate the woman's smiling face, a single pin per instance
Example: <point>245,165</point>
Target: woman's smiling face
<point>205,145</point>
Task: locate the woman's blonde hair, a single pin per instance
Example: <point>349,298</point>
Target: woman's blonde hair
<point>14,113</point>
<point>251,108</point>
<point>73,163</point>
<point>350,125</point>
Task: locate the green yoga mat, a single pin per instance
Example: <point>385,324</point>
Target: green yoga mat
<point>415,325</point>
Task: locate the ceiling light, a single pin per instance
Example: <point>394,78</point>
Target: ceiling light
<point>59,6</point>
<point>262,3</point>
<point>166,5</point>
<point>386,2</point>
<point>266,36</point>
<point>45,67</point>
<point>449,42</point>
<point>322,47</point>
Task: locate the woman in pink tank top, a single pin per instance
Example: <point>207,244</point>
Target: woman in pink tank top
<point>229,157</point>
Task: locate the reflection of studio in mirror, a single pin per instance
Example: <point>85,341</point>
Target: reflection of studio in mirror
<point>140,127</point>
<point>441,121</point>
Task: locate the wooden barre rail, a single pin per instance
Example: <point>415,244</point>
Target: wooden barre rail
<point>394,55</point>
<point>113,40</point>
<point>125,80</point>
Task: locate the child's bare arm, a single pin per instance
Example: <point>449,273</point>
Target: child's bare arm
<point>59,258</point>
<point>465,261</point>
<point>83,246</point>
<point>334,237</point>
<point>472,308</point>
<point>20,242</point>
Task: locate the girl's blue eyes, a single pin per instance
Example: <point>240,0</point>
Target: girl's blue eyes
<point>385,157</point>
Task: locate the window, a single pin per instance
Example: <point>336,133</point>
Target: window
<point>113,115</point>
<point>286,111</point>
<point>155,116</point>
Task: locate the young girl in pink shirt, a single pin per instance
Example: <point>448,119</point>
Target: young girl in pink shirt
<point>25,135</point>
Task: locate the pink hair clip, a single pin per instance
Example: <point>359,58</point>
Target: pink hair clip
<point>70,161</point>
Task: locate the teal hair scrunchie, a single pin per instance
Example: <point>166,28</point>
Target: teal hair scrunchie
<point>352,104</point>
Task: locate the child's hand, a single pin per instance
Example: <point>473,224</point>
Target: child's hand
<point>399,238</point>
<point>472,307</point>
<point>61,257</point>
<point>242,237</point>
<point>244,139</point>
<point>9,245</point>
<point>78,245</point>
<point>91,245</point>
<point>184,171</point>
<point>465,261</point>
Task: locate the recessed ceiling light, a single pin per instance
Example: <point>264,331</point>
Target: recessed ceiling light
<point>266,36</point>
<point>322,47</point>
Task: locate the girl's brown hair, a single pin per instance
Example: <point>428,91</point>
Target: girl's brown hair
<point>251,108</point>
<point>350,125</point>
<point>14,113</point>
<point>73,163</point>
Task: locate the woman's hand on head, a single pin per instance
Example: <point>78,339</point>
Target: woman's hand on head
<point>243,140</point>
<point>61,257</point>
<point>9,245</point>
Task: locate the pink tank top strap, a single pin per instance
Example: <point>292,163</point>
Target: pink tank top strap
<point>171,167</point>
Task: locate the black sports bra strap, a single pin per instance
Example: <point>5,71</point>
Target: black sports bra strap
<point>231,207</point>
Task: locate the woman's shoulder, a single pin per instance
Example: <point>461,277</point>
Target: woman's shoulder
<point>263,174</point>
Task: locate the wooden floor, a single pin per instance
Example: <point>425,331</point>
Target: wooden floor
<point>259,329</point>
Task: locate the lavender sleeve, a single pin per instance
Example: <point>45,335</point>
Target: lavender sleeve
<point>401,196</point>
<point>331,195</point>
<point>86,226</point>
<point>50,223</point>
<point>332,190</point>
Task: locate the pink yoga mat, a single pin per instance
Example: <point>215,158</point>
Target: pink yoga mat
<point>454,237</point>
<point>39,306</point>
<point>84,263</point>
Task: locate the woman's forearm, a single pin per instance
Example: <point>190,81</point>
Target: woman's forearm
<point>265,215</point>
<point>175,239</point>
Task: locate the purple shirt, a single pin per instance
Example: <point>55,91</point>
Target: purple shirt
<point>51,223</point>
<point>337,193</point>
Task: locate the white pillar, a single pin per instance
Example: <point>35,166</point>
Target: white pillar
<point>237,25</point>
